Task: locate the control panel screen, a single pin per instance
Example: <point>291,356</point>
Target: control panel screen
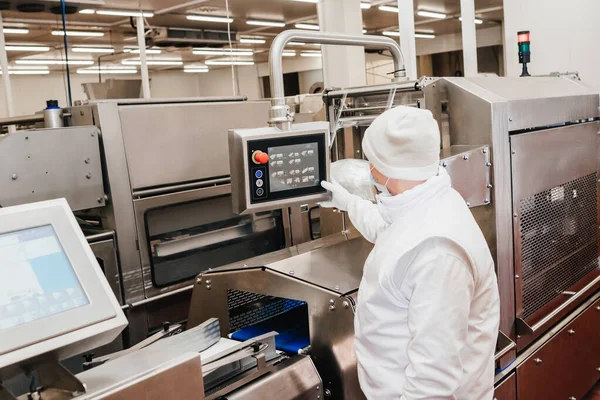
<point>36,277</point>
<point>293,167</point>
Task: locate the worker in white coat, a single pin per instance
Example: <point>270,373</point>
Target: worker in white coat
<point>428,306</point>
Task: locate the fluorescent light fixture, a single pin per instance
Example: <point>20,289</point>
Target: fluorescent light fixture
<point>54,62</point>
<point>28,72</point>
<point>252,40</point>
<point>365,6</point>
<point>391,33</point>
<point>87,11</point>
<point>152,62</point>
<point>424,35</point>
<point>16,31</point>
<point>228,62</point>
<point>222,52</point>
<point>148,51</point>
<point>26,48</point>
<point>30,67</point>
<point>388,8</point>
<point>296,44</point>
<point>277,24</point>
<point>310,54</point>
<point>84,49</point>
<point>431,14</point>
<point>209,18</point>
<point>78,33</point>
<point>477,20</point>
<point>107,71</point>
<point>287,53</point>
<point>123,13</point>
<point>195,69</point>
<point>364,31</point>
<point>307,26</point>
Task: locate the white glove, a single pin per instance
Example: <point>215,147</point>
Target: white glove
<point>340,197</point>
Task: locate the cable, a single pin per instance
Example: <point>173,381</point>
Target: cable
<point>230,47</point>
<point>66,41</point>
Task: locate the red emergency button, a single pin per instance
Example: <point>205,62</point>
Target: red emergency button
<point>260,157</point>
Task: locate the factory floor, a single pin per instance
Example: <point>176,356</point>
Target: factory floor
<point>594,394</point>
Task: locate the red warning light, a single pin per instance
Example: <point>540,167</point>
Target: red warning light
<point>523,37</point>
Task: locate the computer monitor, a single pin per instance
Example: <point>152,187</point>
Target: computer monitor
<point>54,298</point>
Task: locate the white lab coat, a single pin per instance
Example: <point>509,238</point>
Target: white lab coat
<point>428,306</point>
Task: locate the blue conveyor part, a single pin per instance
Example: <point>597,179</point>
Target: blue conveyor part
<point>292,327</point>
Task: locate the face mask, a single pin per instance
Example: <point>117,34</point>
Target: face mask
<point>381,188</point>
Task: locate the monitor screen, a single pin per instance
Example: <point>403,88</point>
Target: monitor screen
<point>293,167</point>
<point>36,277</point>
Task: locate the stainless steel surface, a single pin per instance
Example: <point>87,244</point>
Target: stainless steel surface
<point>190,138</point>
<point>374,89</point>
<point>309,277</point>
<point>240,174</point>
<point>280,112</point>
<point>53,118</point>
<point>555,200</point>
<point>22,120</point>
<point>29,171</point>
<point>503,346</point>
<point>470,169</point>
<point>296,378</point>
<point>106,254</point>
<point>113,89</point>
<point>542,101</point>
<point>179,188</point>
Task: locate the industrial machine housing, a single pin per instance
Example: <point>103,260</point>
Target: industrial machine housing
<point>152,193</point>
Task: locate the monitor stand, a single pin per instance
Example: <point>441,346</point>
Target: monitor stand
<point>55,383</point>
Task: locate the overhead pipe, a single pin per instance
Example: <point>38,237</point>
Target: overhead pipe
<point>280,113</point>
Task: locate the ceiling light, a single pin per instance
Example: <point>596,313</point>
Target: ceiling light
<point>228,62</point>
<point>148,51</point>
<point>296,44</point>
<point>78,33</point>
<point>26,48</point>
<point>29,67</point>
<point>92,50</point>
<point>16,31</point>
<point>310,54</point>
<point>287,53</point>
<point>222,52</point>
<point>365,6</point>
<point>209,18</point>
<point>87,11</point>
<point>388,8</point>
<point>28,72</point>
<point>122,13</point>
<point>477,20</point>
<point>54,62</point>
<point>107,70</point>
<point>424,35</point>
<point>195,69</point>
<point>307,26</point>
<point>431,14</point>
<point>152,62</point>
<point>277,24</point>
<point>252,40</point>
<point>391,33</point>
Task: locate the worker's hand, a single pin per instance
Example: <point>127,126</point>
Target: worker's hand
<point>339,196</point>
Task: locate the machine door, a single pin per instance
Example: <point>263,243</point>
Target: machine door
<point>555,206</point>
<point>186,233</point>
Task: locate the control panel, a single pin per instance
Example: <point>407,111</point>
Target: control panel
<point>273,168</point>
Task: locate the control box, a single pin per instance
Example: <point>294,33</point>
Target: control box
<point>273,168</point>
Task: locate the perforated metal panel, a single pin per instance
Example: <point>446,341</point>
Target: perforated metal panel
<point>247,308</point>
<point>558,239</point>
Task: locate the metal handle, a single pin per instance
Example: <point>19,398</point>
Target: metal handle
<point>523,328</point>
<point>571,332</point>
<point>505,344</point>
<point>537,361</point>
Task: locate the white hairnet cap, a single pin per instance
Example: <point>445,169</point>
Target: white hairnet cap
<point>404,143</point>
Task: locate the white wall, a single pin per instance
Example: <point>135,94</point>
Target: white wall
<point>564,36</point>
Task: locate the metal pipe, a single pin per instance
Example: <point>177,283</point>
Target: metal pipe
<point>280,113</point>
<point>24,119</point>
<point>141,37</point>
<point>6,76</point>
<point>409,86</point>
